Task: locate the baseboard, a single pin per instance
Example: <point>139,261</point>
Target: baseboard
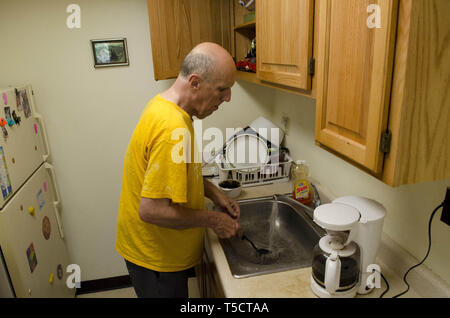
<point>98,285</point>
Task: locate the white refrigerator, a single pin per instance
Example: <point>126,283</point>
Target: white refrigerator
<point>33,253</point>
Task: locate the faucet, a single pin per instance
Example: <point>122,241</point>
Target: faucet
<point>275,197</point>
<point>317,201</point>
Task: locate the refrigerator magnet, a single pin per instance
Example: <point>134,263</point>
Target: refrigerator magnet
<point>5,98</point>
<point>16,118</point>
<point>25,104</point>
<point>46,227</point>
<point>59,272</point>
<point>4,133</point>
<point>5,182</point>
<point>31,256</point>
<point>8,117</point>
<point>40,199</point>
<point>19,98</point>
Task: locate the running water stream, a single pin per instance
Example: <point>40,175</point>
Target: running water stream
<point>273,224</point>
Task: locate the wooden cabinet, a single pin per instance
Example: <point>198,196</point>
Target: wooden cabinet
<point>207,276</point>
<point>177,26</point>
<point>284,40</point>
<point>243,31</point>
<point>382,100</point>
<point>284,35</point>
<point>419,113</point>
<point>385,86</point>
<point>284,44</point>
<point>354,77</point>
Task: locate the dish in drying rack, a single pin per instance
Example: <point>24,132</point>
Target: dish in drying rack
<point>246,151</point>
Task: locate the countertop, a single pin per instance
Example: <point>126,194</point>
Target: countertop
<point>288,284</point>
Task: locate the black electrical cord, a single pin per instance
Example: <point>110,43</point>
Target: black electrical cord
<point>387,285</point>
<point>386,282</point>
<point>428,252</point>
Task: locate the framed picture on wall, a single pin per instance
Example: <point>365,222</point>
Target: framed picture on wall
<point>110,52</point>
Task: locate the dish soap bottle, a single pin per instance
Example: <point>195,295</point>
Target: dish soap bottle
<point>301,186</point>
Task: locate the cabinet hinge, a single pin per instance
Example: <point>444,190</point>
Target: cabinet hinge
<point>385,144</point>
<point>312,66</point>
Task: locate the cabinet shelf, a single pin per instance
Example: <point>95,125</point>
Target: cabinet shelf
<point>252,78</point>
<point>247,76</point>
<point>245,26</point>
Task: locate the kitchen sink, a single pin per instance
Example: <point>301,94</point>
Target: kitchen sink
<point>279,224</point>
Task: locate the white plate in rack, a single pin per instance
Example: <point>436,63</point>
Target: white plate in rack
<point>246,151</point>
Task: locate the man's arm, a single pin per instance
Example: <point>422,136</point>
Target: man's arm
<point>211,191</point>
<point>165,213</point>
<point>221,200</point>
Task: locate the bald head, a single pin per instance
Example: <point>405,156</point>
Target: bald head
<point>205,80</point>
<point>207,60</point>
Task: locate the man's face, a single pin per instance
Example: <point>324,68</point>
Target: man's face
<point>213,93</point>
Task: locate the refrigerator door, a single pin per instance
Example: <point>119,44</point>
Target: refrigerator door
<point>35,254</point>
<point>5,285</point>
<point>22,141</point>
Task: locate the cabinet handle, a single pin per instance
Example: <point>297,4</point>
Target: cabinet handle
<point>56,204</point>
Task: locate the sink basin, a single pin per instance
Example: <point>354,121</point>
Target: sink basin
<point>279,224</point>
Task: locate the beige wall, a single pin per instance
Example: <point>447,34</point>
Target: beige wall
<point>90,115</point>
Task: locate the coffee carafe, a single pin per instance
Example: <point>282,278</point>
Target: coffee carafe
<point>336,258</point>
<point>343,257</point>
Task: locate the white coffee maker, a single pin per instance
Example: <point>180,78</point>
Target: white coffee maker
<point>342,257</point>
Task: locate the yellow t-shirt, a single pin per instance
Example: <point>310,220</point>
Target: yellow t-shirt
<point>156,166</point>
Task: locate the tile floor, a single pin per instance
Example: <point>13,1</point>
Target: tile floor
<point>194,292</point>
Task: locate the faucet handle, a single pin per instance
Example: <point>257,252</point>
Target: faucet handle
<point>316,200</point>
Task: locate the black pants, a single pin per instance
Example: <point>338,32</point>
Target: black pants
<point>151,284</point>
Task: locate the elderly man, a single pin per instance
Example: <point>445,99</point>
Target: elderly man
<point>162,217</point>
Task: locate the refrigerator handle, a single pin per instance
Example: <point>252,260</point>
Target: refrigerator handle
<point>56,204</point>
<point>40,119</point>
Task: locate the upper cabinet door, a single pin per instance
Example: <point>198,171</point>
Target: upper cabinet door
<point>177,26</point>
<point>284,41</point>
<point>355,57</point>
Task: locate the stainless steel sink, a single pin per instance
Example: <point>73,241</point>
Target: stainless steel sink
<point>279,224</point>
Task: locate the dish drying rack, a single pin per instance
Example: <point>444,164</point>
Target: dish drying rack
<point>255,175</point>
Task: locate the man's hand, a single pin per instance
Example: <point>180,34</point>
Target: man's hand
<point>231,207</point>
<point>220,199</point>
<point>228,205</point>
<point>225,227</point>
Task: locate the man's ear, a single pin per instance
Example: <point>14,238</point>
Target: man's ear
<point>194,81</point>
